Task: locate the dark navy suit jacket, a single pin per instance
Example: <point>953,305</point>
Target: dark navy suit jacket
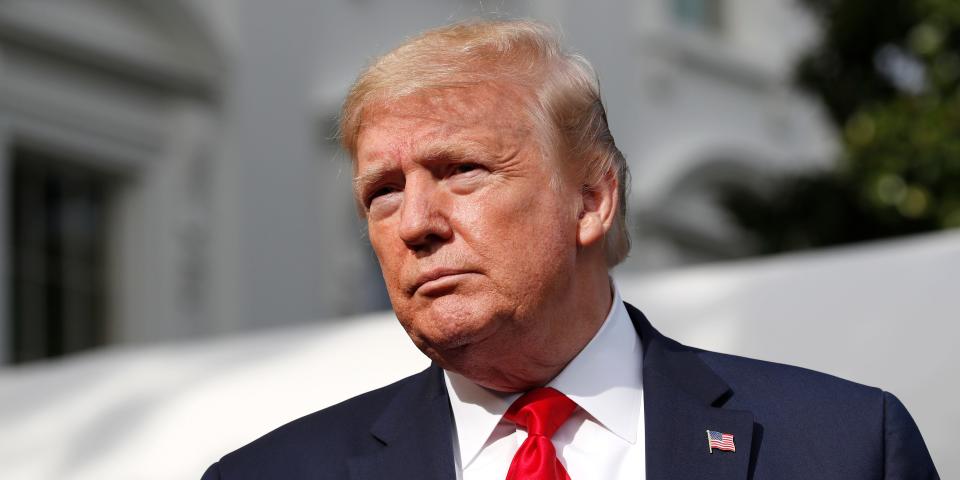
<point>788,423</point>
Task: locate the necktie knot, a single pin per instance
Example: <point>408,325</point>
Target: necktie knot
<point>541,411</point>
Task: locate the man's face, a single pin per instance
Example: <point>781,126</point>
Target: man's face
<point>475,237</point>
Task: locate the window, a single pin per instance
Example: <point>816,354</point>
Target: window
<point>698,14</point>
<point>58,228</point>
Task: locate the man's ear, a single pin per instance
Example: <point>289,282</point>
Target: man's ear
<point>598,209</point>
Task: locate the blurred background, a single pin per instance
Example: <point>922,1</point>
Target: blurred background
<point>183,267</point>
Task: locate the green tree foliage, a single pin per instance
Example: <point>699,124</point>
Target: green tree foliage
<point>888,73</point>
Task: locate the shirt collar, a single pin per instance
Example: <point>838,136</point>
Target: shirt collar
<point>476,413</point>
<point>604,379</point>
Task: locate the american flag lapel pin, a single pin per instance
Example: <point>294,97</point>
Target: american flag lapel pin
<point>720,441</point>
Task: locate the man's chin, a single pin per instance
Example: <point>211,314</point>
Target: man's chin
<point>449,341</point>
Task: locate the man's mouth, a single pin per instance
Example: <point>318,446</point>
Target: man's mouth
<point>438,281</point>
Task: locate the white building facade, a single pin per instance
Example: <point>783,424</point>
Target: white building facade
<point>168,168</point>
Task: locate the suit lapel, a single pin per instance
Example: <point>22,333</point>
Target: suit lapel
<point>682,400</point>
<point>414,432</point>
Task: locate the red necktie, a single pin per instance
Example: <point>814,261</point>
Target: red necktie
<point>541,412</point>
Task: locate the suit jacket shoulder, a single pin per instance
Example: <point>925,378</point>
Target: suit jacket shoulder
<point>787,422</point>
<point>319,445</point>
<point>804,417</point>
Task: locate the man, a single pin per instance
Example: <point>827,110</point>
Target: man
<point>495,200</point>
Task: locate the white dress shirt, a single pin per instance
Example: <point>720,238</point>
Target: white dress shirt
<point>603,439</point>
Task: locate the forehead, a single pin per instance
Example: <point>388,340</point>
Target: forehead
<point>489,116</point>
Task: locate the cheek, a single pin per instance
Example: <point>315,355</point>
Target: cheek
<point>388,250</point>
<point>526,236</point>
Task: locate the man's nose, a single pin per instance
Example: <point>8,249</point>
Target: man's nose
<point>423,223</point>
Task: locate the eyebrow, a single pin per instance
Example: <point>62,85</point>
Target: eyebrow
<point>427,154</point>
<point>371,176</point>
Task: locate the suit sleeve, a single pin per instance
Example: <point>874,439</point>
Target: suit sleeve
<point>212,473</point>
<point>905,453</point>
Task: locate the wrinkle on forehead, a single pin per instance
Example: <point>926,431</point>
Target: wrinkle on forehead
<point>462,121</point>
<point>461,106</point>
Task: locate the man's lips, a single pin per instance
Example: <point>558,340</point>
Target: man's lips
<point>433,281</point>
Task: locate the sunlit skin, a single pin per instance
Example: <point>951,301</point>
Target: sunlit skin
<point>493,270</point>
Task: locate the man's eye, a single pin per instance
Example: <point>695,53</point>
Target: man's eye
<point>379,193</point>
<point>464,168</point>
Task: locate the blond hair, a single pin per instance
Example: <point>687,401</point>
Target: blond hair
<point>566,105</point>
